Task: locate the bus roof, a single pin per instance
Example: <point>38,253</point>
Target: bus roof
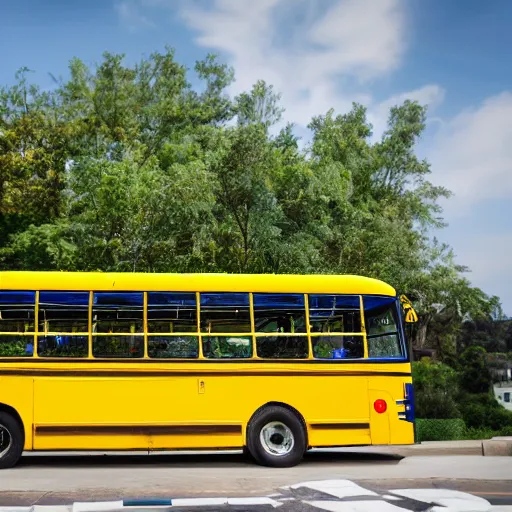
<point>126,281</point>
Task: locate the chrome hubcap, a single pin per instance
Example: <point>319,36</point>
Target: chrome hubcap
<point>277,439</point>
<point>5,441</point>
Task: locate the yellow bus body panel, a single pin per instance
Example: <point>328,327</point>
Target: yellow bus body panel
<point>111,407</point>
<point>157,405</point>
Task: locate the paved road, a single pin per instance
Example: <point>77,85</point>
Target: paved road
<point>65,479</point>
<point>335,495</point>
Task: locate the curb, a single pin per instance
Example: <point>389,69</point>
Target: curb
<point>497,447</point>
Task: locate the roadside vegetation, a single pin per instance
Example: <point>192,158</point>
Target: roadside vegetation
<point>457,401</point>
<point>132,168</point>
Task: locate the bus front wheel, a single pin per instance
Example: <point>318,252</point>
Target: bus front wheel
<point>276,437</point>
<point>11,441</point>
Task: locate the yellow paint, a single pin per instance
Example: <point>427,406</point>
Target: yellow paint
<point>411,316</point>
<point>262,283</point>
<point>69,393</point>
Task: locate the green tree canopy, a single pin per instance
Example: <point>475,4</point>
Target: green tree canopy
<point>131,168</point>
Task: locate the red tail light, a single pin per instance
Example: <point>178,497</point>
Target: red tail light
<point>380,406</point>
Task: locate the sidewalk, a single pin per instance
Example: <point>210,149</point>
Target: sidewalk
<point>427,448</point>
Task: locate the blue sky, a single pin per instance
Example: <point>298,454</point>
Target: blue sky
<point>453,56</point>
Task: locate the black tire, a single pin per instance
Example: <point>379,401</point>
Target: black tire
<point>286,421</point>
<point>247,454</point>
<point>12,439</point>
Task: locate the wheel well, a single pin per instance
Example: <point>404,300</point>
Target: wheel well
<point>285,406</point>
<point>14,413</point>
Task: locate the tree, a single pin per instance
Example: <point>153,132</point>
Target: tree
<point>129,167</point>
<point>125,217</point>
<point>32,157</point>
<point>475,374</point>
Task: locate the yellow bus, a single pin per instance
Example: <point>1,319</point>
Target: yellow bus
<point>271,364</point>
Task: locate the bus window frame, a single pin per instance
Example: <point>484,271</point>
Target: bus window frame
<point>405,353</point>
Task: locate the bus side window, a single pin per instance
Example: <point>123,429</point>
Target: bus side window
<point>225,319</point>
<point>63,319</point>
<point>171,317</point>
<point>381,321</point>
<point>285,315</point>
<point>330,316</point>
<point>17,323</point>
<point>118,324</point>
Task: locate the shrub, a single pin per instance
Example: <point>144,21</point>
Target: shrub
<point>506,431</point>
<point>454,430</point>
<point>479,433</point>
<point>440,430</point>
<point>436,390</point>
<point>483,411</point>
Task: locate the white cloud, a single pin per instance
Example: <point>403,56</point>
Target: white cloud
<point>365,37</point>
<point>317,55</point>
<point>472,154</point>
<point>308,58</point>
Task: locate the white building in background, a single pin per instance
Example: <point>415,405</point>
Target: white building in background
<point>503,394</point>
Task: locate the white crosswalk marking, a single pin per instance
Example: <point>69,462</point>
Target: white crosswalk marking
<point>253,501</point>
<point>355,506</point>
<point>337,488</point>
<point>199,502</point>
<point>104,506</point>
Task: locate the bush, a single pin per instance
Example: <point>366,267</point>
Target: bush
<point>486,433</point>
<point>484,411</point>
<point>455,430</point>
<point>440,430</point>
<point>436,390</point>
<point>476,434</point>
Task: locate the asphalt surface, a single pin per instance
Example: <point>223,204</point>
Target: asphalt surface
<point>64,479</point>
<point>388,495</point>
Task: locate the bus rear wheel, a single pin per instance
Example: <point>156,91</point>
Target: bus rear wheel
<point>276,437</point>
<point>11,441</point>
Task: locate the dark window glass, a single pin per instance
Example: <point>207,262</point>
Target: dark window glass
<point>17,311</point>
<point>63,311</point>
<point>230,347</point>
<point>381,327</point>
<point>118,312</point>
<point>63,346</point>
<point>279,312</point>
<point>282,347</point>
<point>118,346</point>
<point>506,397</point>
<point>178,347</point>
<point>334,313</point>
<point>225,312</point>
<point>338,347</point>
<point>16,346</point>
<point>172,312</point>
